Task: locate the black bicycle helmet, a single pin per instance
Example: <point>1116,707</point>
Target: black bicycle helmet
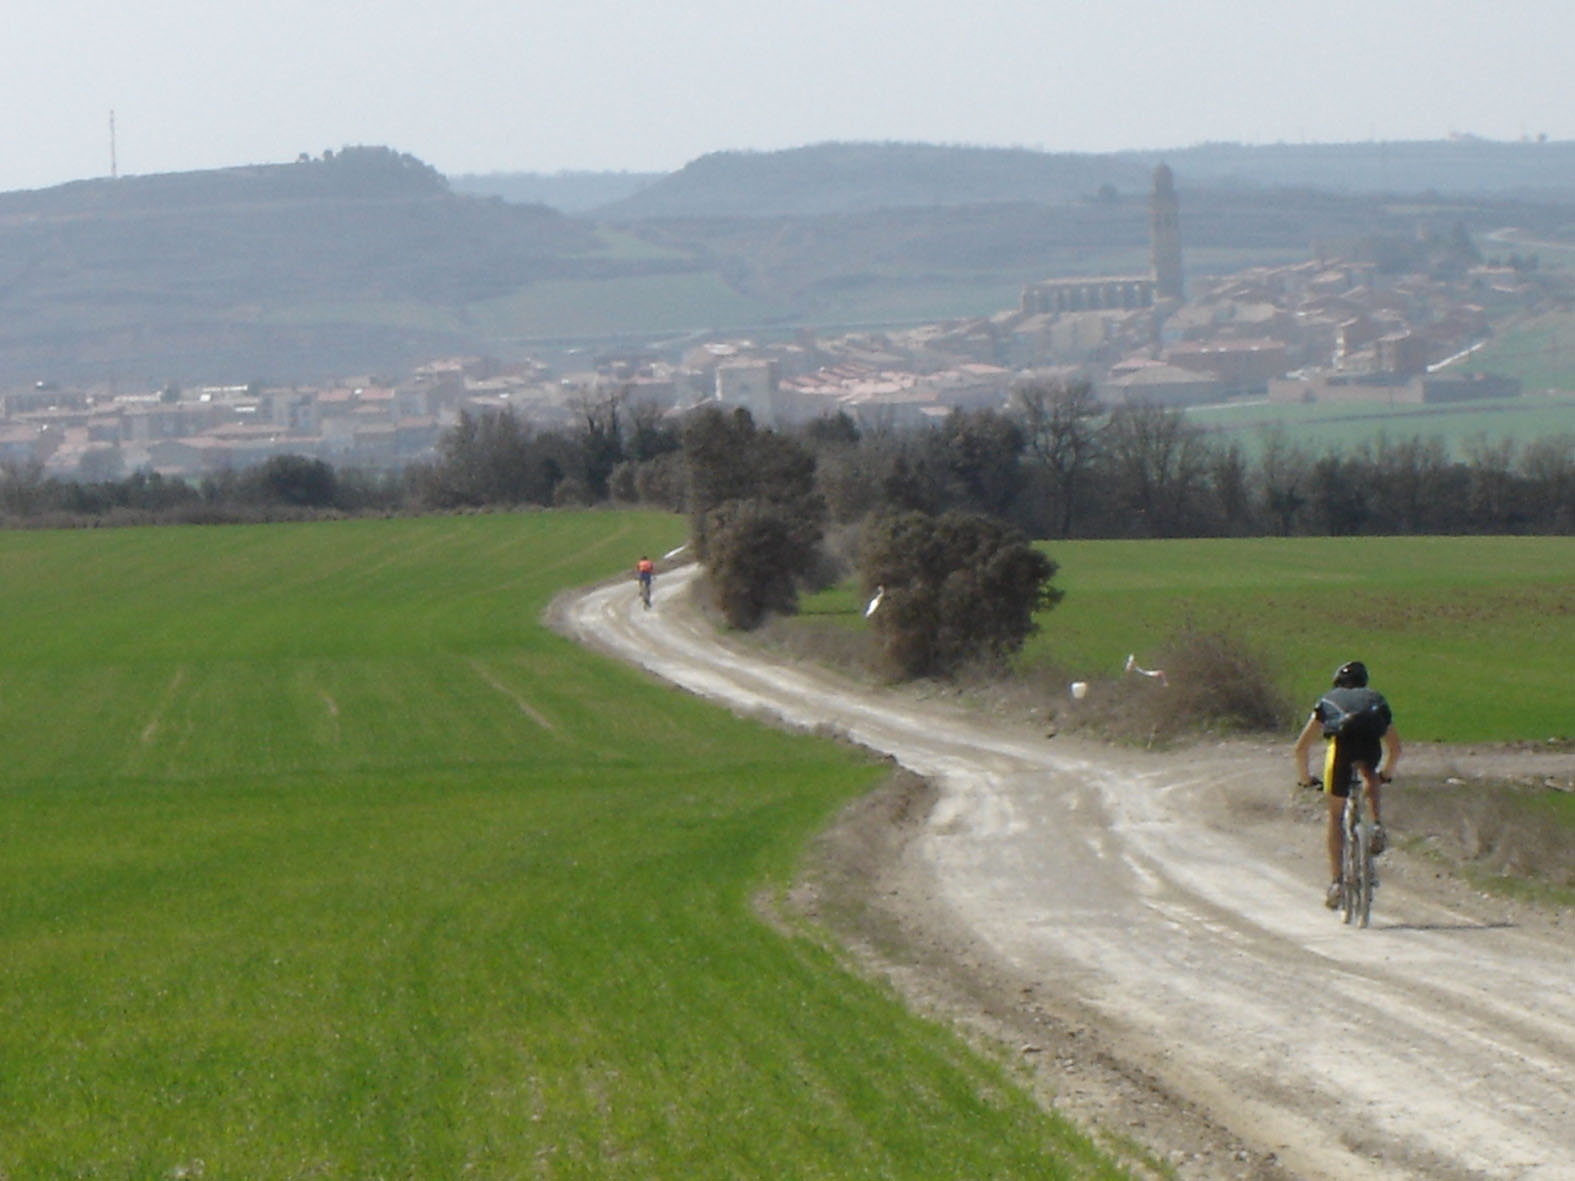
<point>1351,675</point>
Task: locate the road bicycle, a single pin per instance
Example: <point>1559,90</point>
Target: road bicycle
<point>645,592</point>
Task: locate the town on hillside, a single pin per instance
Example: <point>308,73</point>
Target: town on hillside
<point>1330,327</point>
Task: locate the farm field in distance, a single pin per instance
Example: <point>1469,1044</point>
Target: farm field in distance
<point>321,856</point>
<point>1344,427</point>
<point>1539,349</point>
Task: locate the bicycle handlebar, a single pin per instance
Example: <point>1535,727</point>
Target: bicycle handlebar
<point>1315,781</point>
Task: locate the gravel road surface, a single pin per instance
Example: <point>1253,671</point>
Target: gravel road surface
<point>1147,930</point>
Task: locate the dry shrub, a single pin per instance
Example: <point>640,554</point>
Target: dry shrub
<point>1213,683</point>
<point>1128,709</point>
<point>1217,683</point>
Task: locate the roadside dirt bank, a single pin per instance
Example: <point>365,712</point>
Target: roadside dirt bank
<point>1142,931</point>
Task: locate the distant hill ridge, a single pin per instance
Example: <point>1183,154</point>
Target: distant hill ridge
<point>354,173</point>
<point>851,178</point>
<point>856,177</point>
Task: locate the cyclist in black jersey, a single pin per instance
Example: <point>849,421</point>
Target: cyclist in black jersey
<point>1360,738</point>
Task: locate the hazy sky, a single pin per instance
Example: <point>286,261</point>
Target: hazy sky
<point>641,85</point>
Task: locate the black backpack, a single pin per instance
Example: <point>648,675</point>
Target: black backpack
<point>1354,713</point>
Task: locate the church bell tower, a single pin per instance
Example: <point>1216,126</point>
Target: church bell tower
<point>1166,235</point>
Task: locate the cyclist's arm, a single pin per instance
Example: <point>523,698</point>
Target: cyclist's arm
<point>1305,741</point>
<point>1391,751</point>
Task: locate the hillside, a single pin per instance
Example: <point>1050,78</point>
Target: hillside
<point>1464,167</point>
<point>848,178</point>
<point>368,260</point>
<point>838,234</point>
<point>355,261</point>
<point>830,265</point>
<point>567,192</point>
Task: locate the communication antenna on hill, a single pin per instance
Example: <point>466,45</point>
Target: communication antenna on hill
<point>114,169</point>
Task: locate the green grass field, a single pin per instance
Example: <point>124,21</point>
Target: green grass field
<point>1540,351</point>
<point>321,857</point>
<point>1343,427</point>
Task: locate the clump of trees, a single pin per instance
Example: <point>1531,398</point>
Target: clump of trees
<point>952,589</point>
<point>499,458</point>
<point>756,517</point>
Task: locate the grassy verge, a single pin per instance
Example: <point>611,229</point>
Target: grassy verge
<point>321,857</point>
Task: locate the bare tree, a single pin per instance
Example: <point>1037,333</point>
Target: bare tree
<point>1060,422</point>
<point>1411,484</point>
<point>1283,474</point>
<point>1230,482</point>
<point>1549,463</point>
<point>1495,495</point>
<point>1158,463</point>
<point>601,436</point>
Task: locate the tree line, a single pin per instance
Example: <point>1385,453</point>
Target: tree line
<point>936,524</point>
<point>1055,462</point>
<point>938,520</point>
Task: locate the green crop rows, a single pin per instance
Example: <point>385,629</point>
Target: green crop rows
<point>320,856</point>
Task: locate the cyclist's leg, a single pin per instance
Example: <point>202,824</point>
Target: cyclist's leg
<point>1335,778</point>
<point>1334,835</point>
<point>1367,765</point>
<point>1371,785</point>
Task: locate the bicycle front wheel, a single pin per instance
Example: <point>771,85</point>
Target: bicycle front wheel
<point>1364,874</point>
<point>1350,883</point>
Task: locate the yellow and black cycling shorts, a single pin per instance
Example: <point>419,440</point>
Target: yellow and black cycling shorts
<point>1341,758</point>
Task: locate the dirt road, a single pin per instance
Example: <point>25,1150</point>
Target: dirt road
<point>1148,931</point>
